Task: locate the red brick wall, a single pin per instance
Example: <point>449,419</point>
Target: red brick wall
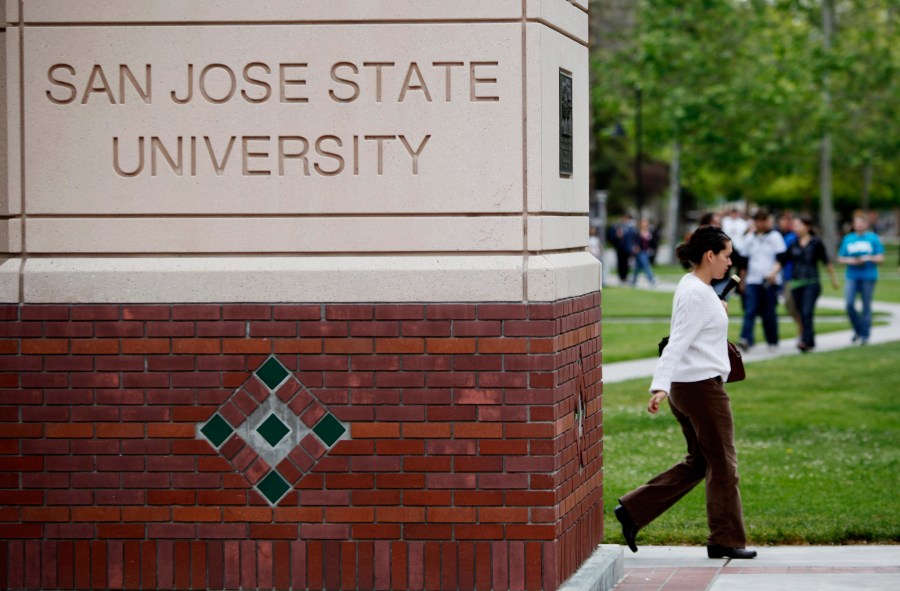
<point>464,467</point>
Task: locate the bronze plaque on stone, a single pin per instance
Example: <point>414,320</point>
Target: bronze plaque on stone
<point>565,124</point>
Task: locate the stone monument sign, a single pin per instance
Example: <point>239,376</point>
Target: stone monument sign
<point>295,295</point>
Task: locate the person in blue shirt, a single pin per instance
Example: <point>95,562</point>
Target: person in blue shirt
<point>862,251</point>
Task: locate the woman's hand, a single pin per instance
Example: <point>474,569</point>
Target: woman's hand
<point>655,398</point>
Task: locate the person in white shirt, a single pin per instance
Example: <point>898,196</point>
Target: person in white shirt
<point>762,280</point>
<point>690,373</point>
<point>736,227</point>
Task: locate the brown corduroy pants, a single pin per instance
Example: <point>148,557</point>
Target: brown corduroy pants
<point>704,412</point>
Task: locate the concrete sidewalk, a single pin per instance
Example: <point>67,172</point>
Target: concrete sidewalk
<point>779,568</point>
<point>643,368</point>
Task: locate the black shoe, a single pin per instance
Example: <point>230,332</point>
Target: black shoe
<point>716,551</point>
<point>629,529</point>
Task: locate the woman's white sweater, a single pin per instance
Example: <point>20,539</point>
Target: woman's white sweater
<point>698,347</point>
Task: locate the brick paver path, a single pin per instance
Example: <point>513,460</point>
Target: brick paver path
<point>667,578</point>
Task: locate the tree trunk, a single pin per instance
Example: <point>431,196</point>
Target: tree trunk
<point>826,199</point>
<point>672,217</point>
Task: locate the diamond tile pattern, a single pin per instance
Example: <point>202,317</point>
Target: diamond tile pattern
<point>273,430</point>
<point>271,373</point>
<point>216,430</point>
<point>292,430</point>
<point>273,486</point>
<point>329,429</point>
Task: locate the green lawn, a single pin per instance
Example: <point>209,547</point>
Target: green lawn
<point>626,302</point>
<point>626,338</point>
<point>819,449</point>
<point>624,341</point>
<point>887,289</point>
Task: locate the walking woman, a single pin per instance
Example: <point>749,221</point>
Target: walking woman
<point>806,253</point>
<point>690,374</point>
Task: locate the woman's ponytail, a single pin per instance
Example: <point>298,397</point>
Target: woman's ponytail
<point>684,254</point>
<point>704,239</point>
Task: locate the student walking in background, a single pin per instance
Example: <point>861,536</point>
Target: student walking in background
<point>642,254</point>
<point>786,229</point>
<point>761,281</point>
<point>622,237</point>
<point>690,373</point>
<point>805,254</point>
<point>862,251</point>
<point>736,226</point>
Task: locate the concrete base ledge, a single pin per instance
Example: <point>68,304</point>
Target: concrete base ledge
<point>559,276</point>
<point>277,279</point>
<point>601,572</point>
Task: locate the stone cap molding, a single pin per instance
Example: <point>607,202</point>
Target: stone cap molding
<point>488,278</point>
<point>566,15</point>
<point>54,236</point>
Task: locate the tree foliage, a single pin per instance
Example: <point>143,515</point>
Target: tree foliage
<point>742,86</point>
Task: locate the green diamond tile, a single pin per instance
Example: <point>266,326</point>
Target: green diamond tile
<point>271,373</point>
<point>273,430</point>
<point>217,430</point>
<point>273,486</point>
<point>329,429</point>
<point>271,427</point>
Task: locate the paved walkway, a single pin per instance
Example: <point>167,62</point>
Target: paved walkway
<point>784,568</point>
<point>643,368</point>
